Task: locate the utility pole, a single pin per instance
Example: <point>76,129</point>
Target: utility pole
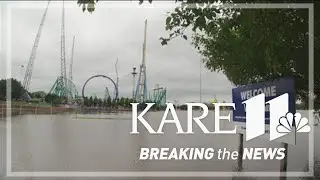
<point>134,73</point>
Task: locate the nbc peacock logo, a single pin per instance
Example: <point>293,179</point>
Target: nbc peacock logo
<point>282,121</point>
<point>289,121</point>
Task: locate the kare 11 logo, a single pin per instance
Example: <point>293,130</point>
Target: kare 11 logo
<point>269,103</point>
<point>255,106</point>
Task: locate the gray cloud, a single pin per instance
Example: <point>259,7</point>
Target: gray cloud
<point>101,38</point>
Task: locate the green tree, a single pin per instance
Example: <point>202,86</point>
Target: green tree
<point>121,102</point>
<point>54,99</point>
<point>87,5</point>
<point>251,45</point>
<point>90,101</point>
<point>114,102</point>
<point>104,104</point>
<point>16,89</point>
<point>95,101</point>
<point>109,102</point>
<point>86,101</point>
<point>48,98</point>
<point>38,94</point>
<point>126,102</point>
<point>100,102</point>
<point>3,89</point>
<point>131,101</point>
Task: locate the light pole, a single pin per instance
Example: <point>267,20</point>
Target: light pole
<point>134,73</point>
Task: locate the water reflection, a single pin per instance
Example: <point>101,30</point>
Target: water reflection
<point>104,143</point>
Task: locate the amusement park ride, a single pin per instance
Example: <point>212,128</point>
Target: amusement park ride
<point>64,86</point>
<point>141,95</point>
<point>159,95</point>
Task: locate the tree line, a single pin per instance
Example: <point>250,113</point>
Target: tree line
<point>115,103</point>
<point>99,102</point>
<point>17,90</point>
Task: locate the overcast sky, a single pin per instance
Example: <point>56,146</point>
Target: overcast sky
<point>114,30</point>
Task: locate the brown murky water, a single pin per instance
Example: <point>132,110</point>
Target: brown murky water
<point>104,143</point>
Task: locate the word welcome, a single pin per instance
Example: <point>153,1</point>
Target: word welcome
<point>268,91</point>
<point>210,153</point>
<point>170,108</point>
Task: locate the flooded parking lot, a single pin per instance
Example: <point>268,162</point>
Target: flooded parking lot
<point>103,143</point>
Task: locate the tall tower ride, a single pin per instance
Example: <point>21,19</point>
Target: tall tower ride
<point>141,90</point>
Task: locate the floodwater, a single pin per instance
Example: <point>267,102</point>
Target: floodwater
<point>103,143</point>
